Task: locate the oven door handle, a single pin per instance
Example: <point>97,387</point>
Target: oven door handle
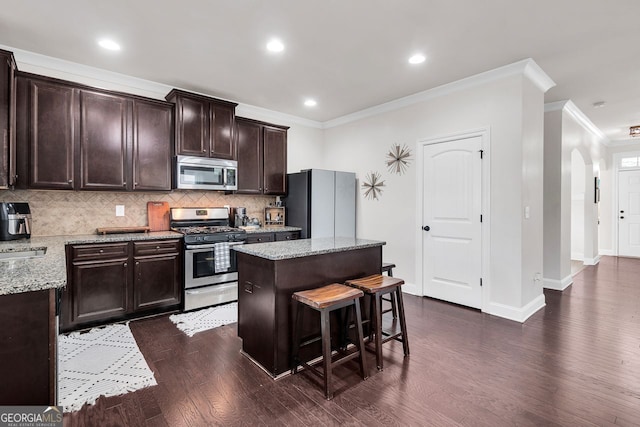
<point>211,246</point>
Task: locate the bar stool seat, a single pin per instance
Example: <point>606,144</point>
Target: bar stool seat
<point>325,300</point>
<point>376,286</point>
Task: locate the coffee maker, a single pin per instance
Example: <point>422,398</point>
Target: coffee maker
<point>15,221</point>
<point>241,217</point>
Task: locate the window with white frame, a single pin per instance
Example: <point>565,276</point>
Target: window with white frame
<point>629,162</point>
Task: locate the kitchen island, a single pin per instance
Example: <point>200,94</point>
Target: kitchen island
<point>269,273</point>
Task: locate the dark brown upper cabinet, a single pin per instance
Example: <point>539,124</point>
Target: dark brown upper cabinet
<point>7,119</point>
<point>204,126</point>
<point>152,130</point>
<point>104,135</point>
<point>262,157</point>
<point>75,137</point>
<point>47,117</point>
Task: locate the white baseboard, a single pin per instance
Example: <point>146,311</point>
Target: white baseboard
<point>518,314</point>
<point>412,289</point>
<point>607,252</point>
<point>558,285</point>
<point>575,256</point>
<point>592,261</point>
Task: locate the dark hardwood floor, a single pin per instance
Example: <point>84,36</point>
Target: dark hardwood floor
<point>574,363</point>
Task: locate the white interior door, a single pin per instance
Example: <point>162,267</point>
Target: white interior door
<point>629,213</point>
<point>452,205</point>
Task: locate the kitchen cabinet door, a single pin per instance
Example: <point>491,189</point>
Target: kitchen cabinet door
<point>221,131</point>
<point>47,113</point>
<point>250,157</point>
<point>7,119</point>
<point>204,126</point>
<point>156,282</point>
<point>98,292</point>
<point>262,157</point>
<point>152,143</point>
<point>104,134</point>
<point>191,126</point>
<point>275,160</point>
<point>29,351</point>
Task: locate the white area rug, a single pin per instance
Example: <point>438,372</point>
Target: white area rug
<point>208,318</point>
<point>102,362</point>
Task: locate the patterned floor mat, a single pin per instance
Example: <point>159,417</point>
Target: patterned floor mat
<point>208,318</point>
<point>102,362</point>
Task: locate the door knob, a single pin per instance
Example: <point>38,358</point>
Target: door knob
<point>621,211</point>
<point>621,217</point>
<point>426,228</point>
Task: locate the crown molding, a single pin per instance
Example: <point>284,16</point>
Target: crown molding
<point>252,111</point>
<point>572,109</point>
<point>526,67</point>
<point>67,70</point>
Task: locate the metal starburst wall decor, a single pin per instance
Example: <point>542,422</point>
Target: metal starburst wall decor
<point>399,158</point>
<point>372,185</point>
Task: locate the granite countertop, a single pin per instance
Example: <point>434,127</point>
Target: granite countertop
<point>286,228</point>
<point>49,271</point>
<point>305,247</point>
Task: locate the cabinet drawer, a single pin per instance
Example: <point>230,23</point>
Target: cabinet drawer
<point>156,247</point>
<point>260,238</point>
<point>99,251</point>
<point>287,235</point>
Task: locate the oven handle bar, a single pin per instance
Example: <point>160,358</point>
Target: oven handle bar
<point>211,246</point>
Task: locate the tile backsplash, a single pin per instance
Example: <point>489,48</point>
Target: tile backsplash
<point>81,212</point>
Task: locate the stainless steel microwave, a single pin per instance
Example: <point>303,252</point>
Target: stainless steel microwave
<point>202,173</point>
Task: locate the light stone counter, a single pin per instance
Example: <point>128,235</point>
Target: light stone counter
<point>49,271</point>
<point>305,247</point>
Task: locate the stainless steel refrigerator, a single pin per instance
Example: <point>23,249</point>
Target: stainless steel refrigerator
<point>322,203</point>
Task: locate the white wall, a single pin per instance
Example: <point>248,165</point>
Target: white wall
<point>568,129</point>
<point>516,179</point>
<point>532,193</point>
<point>578,171</point>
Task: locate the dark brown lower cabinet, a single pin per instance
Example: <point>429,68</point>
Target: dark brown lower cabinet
<point>116,281</point>
<point>157,282</point>
<point>99,290</point>
<point>28,351</point>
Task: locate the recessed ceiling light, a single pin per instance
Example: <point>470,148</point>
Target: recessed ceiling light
<point>310,103</point>
<point>275,45</point>
<point>418,58</point>
<point>109,44</point>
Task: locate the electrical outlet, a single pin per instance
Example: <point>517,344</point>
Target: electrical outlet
<point>537,277</point>
<point>527,212</point>
<point>119,210</point>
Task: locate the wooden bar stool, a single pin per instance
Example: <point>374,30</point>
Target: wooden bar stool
<point>325,300</point>
<point>388,268</point>
<point>376,286</point>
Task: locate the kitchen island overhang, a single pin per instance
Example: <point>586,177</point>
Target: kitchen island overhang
<point>269,273</point>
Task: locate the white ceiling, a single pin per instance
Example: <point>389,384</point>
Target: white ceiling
<point>347,54</point>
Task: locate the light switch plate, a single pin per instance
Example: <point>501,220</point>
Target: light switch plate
<point>119,210</point>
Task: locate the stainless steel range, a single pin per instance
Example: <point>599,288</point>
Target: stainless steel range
<point>210,272</point>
